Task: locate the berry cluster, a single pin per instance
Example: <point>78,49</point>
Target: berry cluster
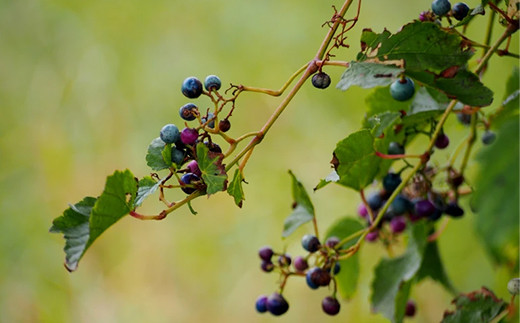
<point>441,8</point>
<point>319,267</point>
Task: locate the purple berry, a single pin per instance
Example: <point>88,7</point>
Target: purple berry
<point>362,210</point>
<point>442,141</point>
<point>284,260</point>
<point>300,264</point>
<point>191,87</point>
<point>310,243</point>
<point>265,253</point>
<point>188,179</point>
<point>193,167</point>
<point>398,224</point>
<point>267,266</point>
<point>189,136</point>
<point>276,304</point>
<point>331,242</point>
<point>424,208</point>
<point>224,125</point>
<point>330,305</point>
<point>372,236</point>
<point>261,304</point>
<point>410,309</point>
<point>309,278</point>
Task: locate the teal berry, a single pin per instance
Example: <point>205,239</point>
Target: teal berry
<point>395,148</point>
<point>191,87</point>
<point>402,89</point>
<point>212,83</point>
<point>170,134</point>
<point>210,117</point>
<point>441,7</point>
<point>391,181</point>
<point>178,156</point>
<point>460,10</point>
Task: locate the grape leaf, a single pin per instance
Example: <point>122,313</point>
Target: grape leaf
<point>380,101</point>
<point>303,210</point>
<point>367,75</point>
<point>167,154</point>
<point>331,178</point>
<point>379,123</point>
<point>154,157</point>
<point>392,274</point>
<point>433,267</point>
<point>85,221</point>
<point>235,188</point>
<point>348,276</point>
<point>212,169</point>
<point>511,102</point>
<point>422,46</point>
<point>475,307</point>
<point>496,196</point>
<point>357,163</point>
<point>147,186</point>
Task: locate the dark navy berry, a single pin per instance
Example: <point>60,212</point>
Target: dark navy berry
<point>454,210</point>
<point>395,148</point>
<point>267,266</point>
<point>336,269</point>
<point>224,125</point>
<point>178,156</point>
<point>442,141</point>
<point>310,243</point>
<point>372,236</point>
<point>193,167</point>
<point>424,208</point>
<point>375,200</point>
<point>212,82</point>
<point>400,205</point>
<point>188,112</point>
<point>191,87</point>
<point>189,136</point>
<point>398,224</point>
<point>210,117</point>
<point>309,278</point>
<point>261,304</point>
<point>441,7</point>
<point>331,242</point>
<point>460,10</point>
<point>318,277</point>
<point>300,264</point>
<point>391,181</point>
<point>265,253</point>
<point>276,304</point>
<point>284,260</point>
<point>321,80</point>
<point>402,89</point>
<point>410,309</point>
<point>213,147</point>
<point>170,133</point>
<point>187,179</point>
<point>488,137</point>
<point>464,118</point>
<point>330,305</point>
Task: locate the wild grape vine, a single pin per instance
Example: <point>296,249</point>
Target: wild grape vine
<point>422,75</point>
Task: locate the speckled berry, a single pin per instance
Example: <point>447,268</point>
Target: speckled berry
<point>261,304</point>
<point>310,243</point>
<point>441,7</point>
<point>189,136</point>
<point>191,87</point>
<point>170,133</point>
<point>330,305</point>
<point>212,83</point>
<point>188,112</point>
<point>460,10</point>
<point>276,304</point>
<point>402,89</point>
<point>321,80</point>
<point>178,156</point>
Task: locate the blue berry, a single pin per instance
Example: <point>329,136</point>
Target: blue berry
<point>442,141</point>
<point>265,253</point>
<point>212,82</point>
<point>311,282</point>
<point>191,87</point>
<point>400,205</point>
<point>300,264</point>
<point>178,156</point>
<point>460,10</point>
<point>261,304</point>
<point>310,243</point>
<point>210,117</point>
<point>321,80</point>
<point>464,118</point>
<point>395,148</point>
<point>330,305</point>
<point>189,136</point>
<point>402,89</point>
<point>276,304</point>
<point>188,112</point>
<point>336,269</point>
<point>488,137</point>
<point>391,181</point>
<point>188,179</point>
<point>375,201</point>
<point>441,7</point>
<point>170,134</point>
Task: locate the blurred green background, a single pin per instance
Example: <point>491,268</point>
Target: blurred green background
<point>86,85</point>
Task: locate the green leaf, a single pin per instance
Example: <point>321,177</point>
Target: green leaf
<point>368,75</point>
<point>418,46</point>
<point>331,178</point>
<point>348,276</point>
<point>358,164</point>
<point>380,101</point>
<point>212,169</point>
<point>303,210</point>
<point>379,123</point>
<point>433,267</point>
<point>154,157</point>
<point>167,154</point>
<point>496,196</point>
<point>392,274</point>
<point>85,221</point>
<point>511,103</point>
<point>74,224</point>
<point>475,307</point>
<point>235,188</point>
<point>147,186</point>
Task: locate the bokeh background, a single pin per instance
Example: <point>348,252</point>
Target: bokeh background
<point>86,85</point>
